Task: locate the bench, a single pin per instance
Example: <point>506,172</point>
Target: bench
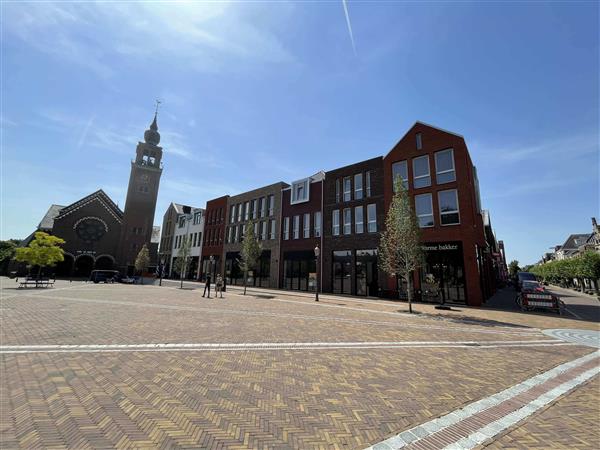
<point>33,282</point>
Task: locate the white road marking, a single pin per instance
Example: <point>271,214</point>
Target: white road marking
<point>252,346</point>
<point>492,429</point>
<point>590,338</point>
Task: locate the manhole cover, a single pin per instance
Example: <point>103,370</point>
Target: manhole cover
<point>589,338</point>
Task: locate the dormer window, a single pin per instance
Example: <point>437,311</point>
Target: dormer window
<point>300,191</point>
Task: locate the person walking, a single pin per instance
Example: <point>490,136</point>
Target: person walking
<point>207,286</point>
<point>219,286</point>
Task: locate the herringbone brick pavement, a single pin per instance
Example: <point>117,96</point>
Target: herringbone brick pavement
<point>570,423</point>
<point>281,399</point>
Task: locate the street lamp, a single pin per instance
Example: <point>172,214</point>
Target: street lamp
<point>317,253</point>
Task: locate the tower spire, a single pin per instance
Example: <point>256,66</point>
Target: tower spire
<point>151,136</point>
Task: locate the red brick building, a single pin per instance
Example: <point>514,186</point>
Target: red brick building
<point>436,167</point>
<point>301,232</point>
<point>214,235</point>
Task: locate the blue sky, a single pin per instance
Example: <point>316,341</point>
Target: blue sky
<point>258,92</point>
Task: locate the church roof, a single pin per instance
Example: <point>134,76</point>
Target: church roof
<point>99,196</point>
<point>48,220</point>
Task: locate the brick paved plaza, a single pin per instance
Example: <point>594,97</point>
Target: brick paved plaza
<point>166,368</point>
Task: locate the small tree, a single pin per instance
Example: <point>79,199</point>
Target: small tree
<point>513,268</point>
<point>42,251</point>
<point>8,249</point>
<point>142,261</point>
<point>251,251</point>
<point>400,252</point>
<point>183,256</point>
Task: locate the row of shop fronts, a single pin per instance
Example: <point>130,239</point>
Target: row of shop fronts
<point>343,211</point>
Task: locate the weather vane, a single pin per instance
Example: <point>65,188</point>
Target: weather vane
<point>158,102</point>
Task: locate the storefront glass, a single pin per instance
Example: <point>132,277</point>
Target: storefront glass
<point>296,269</point>
<point>443,278</point>
<point>366,273</point>
<point>342,272</point>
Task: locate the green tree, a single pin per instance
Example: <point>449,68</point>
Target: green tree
<point>142,261</point>
<point>7,253</point>
<point>42,251</point>
<point>183,256</point>
<point>513,268</point>
<point>251,251</point>
<point>400,252</point>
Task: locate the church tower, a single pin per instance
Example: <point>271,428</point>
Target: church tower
<point>142,193</point>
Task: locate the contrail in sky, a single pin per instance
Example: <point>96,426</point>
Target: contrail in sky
<point>349,25</point>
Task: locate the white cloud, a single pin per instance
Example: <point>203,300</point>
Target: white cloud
<point>207,36</point>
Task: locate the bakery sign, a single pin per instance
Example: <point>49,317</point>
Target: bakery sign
<point>439,247</point>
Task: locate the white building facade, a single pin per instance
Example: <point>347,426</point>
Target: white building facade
<point>189,223</point>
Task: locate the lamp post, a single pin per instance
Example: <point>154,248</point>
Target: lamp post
<point>317,253</point>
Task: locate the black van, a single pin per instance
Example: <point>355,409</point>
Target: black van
<point>524,276</point>
<point>104,276</point>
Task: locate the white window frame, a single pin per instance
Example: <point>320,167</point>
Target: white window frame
<point>246,210</point>
<point>306,228</point>
<point>432,215</point>
<point>317,223</point>
<point>347,221</point>
<point>286,228</point>
<point>296,227</point>
<point>271,208</point>
<point>197,217</point>
<point>359,227</point>
<point>335,222</point>
<point>438,172</point>
<point>348,191</point>
<point>305,185</point>
<point>457,211</point>
<point>232,214</point>
<point>263,230</point>
<point>358,190</point>
<point>240,212</point>
<point>404,180</point>
<point>428,175</point>
<point>369,221</point>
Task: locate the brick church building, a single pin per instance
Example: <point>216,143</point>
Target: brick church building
<point>98,234</point>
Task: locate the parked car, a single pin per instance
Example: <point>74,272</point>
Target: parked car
<point>523,276</point>
<point>127,280</point>
<point>104,276</point>
<point>532,286</point>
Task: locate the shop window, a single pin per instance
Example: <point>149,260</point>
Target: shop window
<point>421,174</point>
<point>400,169</point>
<point>366,272</point>
<point>358,220</point>
<point>424,210</point>
<point>444,167</point>
<point>342,272</point>
<point>448,202</point>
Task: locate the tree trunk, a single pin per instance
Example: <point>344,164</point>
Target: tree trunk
<point>245,280</point>
<point>37,280</point>
<point>409,291</point>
